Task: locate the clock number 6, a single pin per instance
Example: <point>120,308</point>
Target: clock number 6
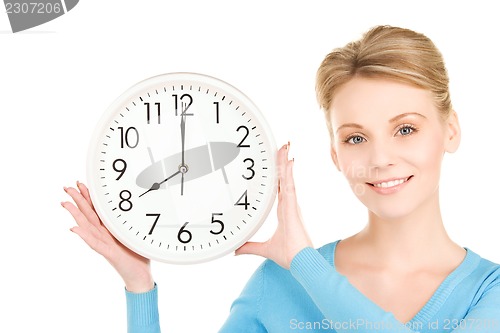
<point>183,231</point>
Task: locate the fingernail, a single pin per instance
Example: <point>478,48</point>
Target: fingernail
<point>62,204</point>
<point>288,144</point>
<point>65,189</point>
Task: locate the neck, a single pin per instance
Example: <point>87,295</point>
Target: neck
<point>415,239</point>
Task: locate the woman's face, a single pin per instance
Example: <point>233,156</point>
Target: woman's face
<point>389,141</point>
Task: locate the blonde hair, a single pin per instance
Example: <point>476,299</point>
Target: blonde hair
<point>385,52</point>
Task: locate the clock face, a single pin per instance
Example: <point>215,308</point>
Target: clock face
<point>181,168</point>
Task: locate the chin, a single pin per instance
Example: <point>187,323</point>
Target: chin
<point>391,210</point>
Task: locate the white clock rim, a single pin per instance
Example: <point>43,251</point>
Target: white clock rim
<point>111,111</point>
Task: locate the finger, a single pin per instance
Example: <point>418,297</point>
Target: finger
<point>83,206</point>
<point>85,192</point>
<point>85,229</point>
<point>289,180</point>
<point>88,237</point>
<point>256,248</point>
<point>80,218</point>
<point>290,193</point>
<point>282,158</point>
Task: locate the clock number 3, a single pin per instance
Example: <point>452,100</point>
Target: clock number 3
<point>252,171</point>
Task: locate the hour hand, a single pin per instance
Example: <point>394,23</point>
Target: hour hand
<point>156,186</point>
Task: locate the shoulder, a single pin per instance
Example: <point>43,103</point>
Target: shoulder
<point>482,276</point>
<point>488,272</point>
<point>481,268</point>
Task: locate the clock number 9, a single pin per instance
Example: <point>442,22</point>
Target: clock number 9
<point>118,169</point>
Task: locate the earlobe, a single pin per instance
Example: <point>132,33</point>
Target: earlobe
<point>333,153</point>
<point>453,134</point>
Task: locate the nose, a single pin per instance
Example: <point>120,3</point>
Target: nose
<point>381,154</point>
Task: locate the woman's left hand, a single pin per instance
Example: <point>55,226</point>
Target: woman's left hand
<point>290,236</point>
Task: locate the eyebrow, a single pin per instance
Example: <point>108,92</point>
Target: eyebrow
<point>394,119</point>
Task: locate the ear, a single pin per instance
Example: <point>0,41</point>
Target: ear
<point>453,133</point>
<point>335,160</point>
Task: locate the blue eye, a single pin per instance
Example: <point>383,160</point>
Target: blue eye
<point>356,139</point>
<point>406,130</point>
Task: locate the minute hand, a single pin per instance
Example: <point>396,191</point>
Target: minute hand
<point>156,186</point>
<point>183,134</point>
<point>183,140</point>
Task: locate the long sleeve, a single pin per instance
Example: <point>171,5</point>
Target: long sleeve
<point>142,312</point>
<point>244,314</point>
<point>348,309</point>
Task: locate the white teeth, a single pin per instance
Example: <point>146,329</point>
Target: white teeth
<point>391,183</point>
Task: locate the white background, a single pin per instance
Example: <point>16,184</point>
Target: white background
<point>58,78</point>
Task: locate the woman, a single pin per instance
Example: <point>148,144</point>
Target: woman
<point>388,110</point>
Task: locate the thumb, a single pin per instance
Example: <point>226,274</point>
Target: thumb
<point>257,248</point>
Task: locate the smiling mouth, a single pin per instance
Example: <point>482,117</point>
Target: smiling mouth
<point>391,183</point>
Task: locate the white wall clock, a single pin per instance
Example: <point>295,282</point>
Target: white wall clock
<point>181,168</point>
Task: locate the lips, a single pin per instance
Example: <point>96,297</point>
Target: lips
<point>390,182</point>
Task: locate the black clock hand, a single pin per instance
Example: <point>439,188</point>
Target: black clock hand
<point>183,133</point>
<point>183,140</point>
<point>156,186</point>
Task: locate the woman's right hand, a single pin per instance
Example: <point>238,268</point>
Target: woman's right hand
<point>134,269</point>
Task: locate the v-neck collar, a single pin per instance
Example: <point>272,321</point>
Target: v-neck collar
<point>424,315</point>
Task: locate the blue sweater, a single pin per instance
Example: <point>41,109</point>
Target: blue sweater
<point>313,297</point>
